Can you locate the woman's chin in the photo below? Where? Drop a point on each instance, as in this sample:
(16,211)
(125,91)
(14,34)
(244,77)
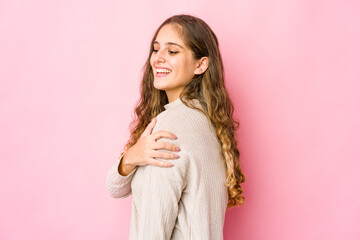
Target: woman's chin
(159,86)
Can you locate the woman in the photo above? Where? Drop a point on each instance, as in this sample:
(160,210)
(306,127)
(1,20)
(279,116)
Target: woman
(184,104)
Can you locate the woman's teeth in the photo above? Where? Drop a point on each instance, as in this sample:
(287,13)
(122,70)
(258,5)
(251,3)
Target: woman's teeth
(162,70)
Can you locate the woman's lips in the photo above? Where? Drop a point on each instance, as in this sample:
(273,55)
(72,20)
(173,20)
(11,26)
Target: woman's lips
(161,74)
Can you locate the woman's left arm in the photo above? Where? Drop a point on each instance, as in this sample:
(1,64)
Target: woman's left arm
(161,194)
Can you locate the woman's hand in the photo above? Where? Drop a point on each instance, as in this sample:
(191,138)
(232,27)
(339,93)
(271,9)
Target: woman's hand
(145,149)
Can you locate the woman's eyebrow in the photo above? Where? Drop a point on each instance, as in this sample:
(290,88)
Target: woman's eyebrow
(169,43)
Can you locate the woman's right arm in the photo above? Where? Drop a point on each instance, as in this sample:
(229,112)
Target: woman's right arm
(144,152)
(125,169)
(118,184)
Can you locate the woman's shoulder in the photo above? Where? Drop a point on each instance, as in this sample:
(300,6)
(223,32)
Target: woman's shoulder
(181,114)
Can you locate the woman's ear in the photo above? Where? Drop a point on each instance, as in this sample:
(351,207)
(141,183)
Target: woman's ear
(202,65)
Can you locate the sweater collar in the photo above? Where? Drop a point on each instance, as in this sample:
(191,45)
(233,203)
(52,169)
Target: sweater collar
(172,104)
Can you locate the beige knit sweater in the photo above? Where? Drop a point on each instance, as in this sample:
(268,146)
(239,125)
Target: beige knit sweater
(187,201)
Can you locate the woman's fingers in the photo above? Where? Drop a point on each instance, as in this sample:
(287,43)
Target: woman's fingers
(164,155)
(149,128)
(145,150)
(163,133)
(166,146)
(159,163)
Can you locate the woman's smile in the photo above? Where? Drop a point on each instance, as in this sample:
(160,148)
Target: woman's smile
(162,72)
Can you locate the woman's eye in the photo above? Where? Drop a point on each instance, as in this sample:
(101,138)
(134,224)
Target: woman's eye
(170,52)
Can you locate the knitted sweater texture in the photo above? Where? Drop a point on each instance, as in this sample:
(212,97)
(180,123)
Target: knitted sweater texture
(186,201)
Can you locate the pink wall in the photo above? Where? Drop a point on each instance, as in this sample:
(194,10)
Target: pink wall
(69,78)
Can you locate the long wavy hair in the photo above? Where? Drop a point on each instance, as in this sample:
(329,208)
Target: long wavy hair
(208,88)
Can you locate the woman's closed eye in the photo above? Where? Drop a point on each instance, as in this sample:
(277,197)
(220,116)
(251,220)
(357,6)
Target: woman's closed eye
(171,52)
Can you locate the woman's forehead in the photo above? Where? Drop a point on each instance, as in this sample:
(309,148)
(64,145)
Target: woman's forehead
(169,33)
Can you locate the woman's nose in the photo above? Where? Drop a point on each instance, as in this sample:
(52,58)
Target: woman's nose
(159,57)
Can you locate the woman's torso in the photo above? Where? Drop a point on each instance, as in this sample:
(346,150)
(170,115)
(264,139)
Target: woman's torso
(200,211)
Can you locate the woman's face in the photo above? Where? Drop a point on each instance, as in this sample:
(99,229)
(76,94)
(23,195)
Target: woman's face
(172,62)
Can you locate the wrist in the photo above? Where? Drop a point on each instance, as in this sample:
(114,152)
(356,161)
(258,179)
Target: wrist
(124,168)
(125,160)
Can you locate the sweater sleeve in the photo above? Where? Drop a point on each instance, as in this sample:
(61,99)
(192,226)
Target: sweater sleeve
(119,186)
(162,191)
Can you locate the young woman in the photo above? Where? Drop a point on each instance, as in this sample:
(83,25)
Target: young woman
(184,117)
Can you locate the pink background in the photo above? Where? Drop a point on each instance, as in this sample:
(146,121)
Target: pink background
(70,73)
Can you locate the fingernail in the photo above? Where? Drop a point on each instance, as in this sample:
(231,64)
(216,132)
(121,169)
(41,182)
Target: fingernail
(176,156)
(175,137)
(170,165)
(178,149)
